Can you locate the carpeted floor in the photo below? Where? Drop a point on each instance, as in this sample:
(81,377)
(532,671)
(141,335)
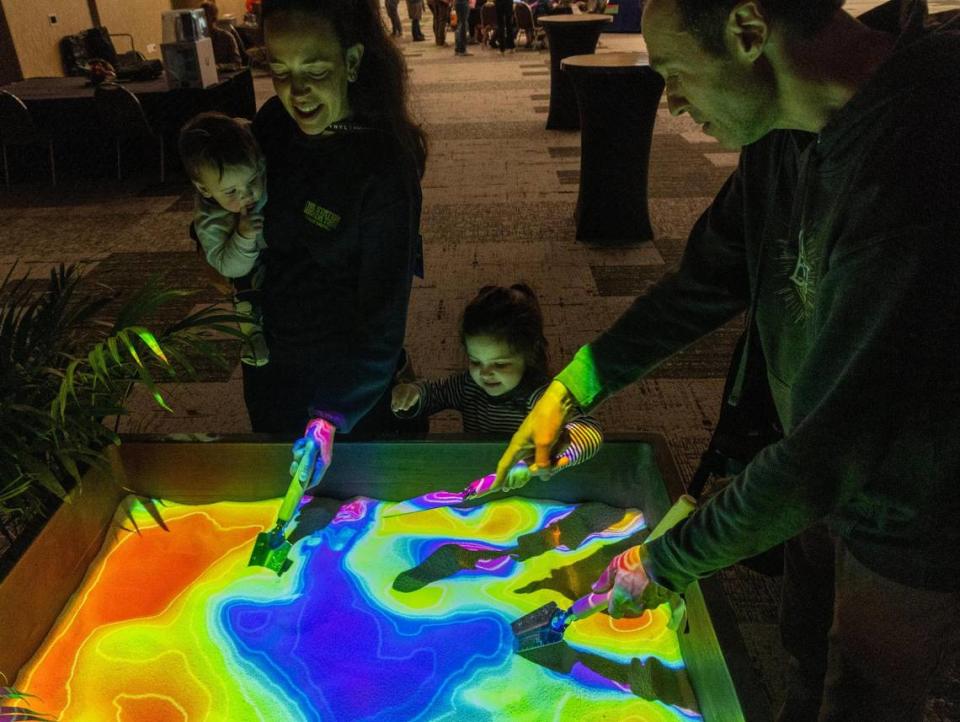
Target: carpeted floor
(499,195)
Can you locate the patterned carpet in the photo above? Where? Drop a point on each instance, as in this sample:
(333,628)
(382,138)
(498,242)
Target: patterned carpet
(499,195)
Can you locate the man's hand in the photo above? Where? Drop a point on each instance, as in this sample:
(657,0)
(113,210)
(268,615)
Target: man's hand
(538,433)
(315,450)
(250,226)
(633,590)
(404,396)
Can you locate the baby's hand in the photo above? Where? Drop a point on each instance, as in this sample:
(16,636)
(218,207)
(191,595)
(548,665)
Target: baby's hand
(404,396)
(250,226)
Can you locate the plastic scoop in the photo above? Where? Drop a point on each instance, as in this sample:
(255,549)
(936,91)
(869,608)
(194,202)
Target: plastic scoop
(271,547)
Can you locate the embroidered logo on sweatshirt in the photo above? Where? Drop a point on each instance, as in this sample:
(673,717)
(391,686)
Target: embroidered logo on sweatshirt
(320,216)
(800,270)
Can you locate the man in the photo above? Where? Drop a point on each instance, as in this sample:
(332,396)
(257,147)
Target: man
(839,236)
(225,49)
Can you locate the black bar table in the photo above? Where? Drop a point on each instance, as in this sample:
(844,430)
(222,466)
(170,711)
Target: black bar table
(568,35)
(617,95)
(65,106)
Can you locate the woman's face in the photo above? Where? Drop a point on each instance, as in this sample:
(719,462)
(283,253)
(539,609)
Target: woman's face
(310,69)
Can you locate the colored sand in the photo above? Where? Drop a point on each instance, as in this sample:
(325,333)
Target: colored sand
(406,618)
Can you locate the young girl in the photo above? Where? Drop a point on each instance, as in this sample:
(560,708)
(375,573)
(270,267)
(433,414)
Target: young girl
(342,222)
(502,334)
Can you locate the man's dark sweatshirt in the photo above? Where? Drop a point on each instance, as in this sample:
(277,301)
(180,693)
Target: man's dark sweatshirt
(845,249)
(342,230)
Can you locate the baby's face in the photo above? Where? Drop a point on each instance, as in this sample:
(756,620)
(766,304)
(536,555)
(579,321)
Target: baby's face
(238,190)
(494,366)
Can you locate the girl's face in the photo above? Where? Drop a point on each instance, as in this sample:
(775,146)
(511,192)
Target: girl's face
(310,69)
(494,366)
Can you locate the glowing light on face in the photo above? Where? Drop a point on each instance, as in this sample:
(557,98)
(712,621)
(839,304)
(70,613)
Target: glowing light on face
(383,619)
(494,366)
(238,190)
(310,69)
(731,98)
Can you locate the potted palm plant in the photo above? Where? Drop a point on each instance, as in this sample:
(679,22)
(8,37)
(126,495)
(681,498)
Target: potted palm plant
(64,368)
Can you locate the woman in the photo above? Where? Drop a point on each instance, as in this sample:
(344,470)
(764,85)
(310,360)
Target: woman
(344,162)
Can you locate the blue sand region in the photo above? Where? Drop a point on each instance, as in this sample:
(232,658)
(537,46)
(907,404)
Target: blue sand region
(338,657)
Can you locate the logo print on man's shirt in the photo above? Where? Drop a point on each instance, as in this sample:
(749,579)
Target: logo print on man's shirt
(800,271)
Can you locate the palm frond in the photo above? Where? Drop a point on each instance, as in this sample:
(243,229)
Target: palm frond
(63,369)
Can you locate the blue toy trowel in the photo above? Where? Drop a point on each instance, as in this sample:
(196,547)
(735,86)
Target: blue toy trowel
(546,625)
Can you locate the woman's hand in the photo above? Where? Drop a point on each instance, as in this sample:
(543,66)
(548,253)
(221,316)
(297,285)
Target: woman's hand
(315,451)
(405,396)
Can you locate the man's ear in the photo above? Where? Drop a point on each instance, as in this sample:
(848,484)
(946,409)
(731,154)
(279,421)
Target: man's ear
(354,55)
(747,30)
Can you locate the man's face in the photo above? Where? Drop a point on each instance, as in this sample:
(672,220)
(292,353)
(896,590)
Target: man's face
(310,69)
(238,190)
(729,96)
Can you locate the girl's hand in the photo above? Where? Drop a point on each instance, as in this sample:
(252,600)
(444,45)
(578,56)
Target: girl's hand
(404,396)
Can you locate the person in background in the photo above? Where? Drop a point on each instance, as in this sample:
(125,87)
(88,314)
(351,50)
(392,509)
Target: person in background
(506,27)
(396,28)
(463,27)
(342,225)
(441,18)
(838,236)
(225,49)
(224,163)
(415,13)
(502,336)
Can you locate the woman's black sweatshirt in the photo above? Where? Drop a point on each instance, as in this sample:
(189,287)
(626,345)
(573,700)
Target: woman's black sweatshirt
(343,243)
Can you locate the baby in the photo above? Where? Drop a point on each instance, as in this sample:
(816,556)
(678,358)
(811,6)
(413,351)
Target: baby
(224,162)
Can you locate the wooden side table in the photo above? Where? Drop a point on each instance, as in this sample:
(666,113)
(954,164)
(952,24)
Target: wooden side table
(617,95)
(568,35)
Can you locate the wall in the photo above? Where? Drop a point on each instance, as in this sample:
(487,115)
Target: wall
(141,18)
(9,64)
(236,7)
(35,39)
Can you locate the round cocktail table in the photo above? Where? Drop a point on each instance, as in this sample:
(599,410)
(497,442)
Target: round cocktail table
(568,35)
(617,95)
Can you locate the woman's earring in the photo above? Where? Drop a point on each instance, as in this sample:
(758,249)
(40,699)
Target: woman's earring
(351,76)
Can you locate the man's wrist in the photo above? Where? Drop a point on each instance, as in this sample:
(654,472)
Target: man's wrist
(648,558)
(581,378)
(560,395)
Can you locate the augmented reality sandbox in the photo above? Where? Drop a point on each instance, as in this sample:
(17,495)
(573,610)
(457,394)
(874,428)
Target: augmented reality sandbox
(144,606)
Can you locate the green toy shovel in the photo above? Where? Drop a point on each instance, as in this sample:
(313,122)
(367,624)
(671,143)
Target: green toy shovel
(271,548)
